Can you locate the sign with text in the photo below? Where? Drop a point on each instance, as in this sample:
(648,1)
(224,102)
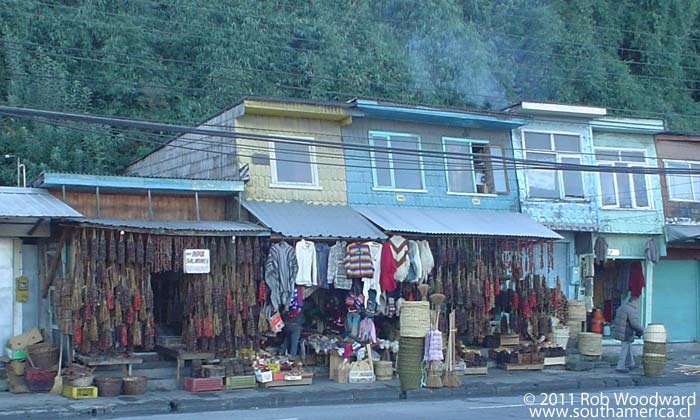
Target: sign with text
(197,261)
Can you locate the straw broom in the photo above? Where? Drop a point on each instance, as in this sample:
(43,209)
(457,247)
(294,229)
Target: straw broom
(57,387)
(450,379)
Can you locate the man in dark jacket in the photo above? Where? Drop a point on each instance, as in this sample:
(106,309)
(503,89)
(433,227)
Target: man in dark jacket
(625,327)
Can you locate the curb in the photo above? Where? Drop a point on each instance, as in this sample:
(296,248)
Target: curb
(214,402)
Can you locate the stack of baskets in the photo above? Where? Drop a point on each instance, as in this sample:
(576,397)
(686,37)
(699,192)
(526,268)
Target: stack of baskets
(415,324)
(654,354)
(590,344)
(383,370)
(44,356)
(577,317)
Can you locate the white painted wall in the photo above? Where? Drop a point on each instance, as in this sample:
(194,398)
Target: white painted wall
(6,291)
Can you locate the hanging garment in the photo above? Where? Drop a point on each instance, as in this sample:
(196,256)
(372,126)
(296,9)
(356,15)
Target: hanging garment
(306,260)
(427,261)
(336,266)
(399,249)
(601,250)
(322,265)
(280,272)
(415,269)
(636,279)
(388,269)
(358,261)
(367,330)
(623,279)
(651,252)
(373,283)
(433,345)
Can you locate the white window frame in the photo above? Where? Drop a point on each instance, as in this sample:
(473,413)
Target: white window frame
(276,183)
(389,135)
(668,180)
(558,159)
(630,176)
(447,168)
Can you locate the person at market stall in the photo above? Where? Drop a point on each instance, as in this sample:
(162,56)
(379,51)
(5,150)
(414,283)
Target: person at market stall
(292,324)
(625,327)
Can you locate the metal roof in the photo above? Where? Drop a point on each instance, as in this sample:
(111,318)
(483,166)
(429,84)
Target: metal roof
(456,222)
(682,233)
(177,227)
(142,183)
(298,219)
(32,202)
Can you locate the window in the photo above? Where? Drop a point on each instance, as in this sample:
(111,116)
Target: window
(618,189)
(294,164)
(475,172)
(553,148)
(683,187)
(400,169)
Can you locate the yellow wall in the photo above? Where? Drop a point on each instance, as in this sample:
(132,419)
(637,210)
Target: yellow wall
(331,170)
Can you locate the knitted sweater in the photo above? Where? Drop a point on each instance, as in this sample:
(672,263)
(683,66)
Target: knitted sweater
(336,266)
(399,250)
(358,261)
(426,259)
(388,269)
(307,274)
(373,283)
(415,269)
(280,272)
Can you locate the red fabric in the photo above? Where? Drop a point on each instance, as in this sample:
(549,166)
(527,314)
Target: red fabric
(388,269)
(636,279)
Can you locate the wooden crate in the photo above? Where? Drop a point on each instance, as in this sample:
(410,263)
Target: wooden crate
(203,384)
(508,339)
(273,384)
(555,361)
(79,392)
(514,366)
(240,382)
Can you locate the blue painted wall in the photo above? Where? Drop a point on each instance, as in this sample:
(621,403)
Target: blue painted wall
(676,299)
(361,189)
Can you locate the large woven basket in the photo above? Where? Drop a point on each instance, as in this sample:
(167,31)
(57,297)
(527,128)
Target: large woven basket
(415,319)
(410,360)
(134,385)
(383,370)
(654,348)
(654,365)
(43,355)
(590,344)
(82,381)
(109,386)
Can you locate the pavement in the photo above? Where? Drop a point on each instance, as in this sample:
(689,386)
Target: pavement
(497,384)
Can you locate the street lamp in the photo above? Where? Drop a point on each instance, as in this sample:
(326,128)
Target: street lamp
(21,170)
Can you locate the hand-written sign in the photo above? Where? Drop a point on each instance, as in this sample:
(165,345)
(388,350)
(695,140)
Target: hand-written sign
(197,261)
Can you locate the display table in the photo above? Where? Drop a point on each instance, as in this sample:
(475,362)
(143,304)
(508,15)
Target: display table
(181,355)
(124,361)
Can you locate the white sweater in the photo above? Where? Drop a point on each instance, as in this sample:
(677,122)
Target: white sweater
(307,274)
(375,250)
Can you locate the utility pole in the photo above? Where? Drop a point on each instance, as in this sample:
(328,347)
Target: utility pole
(21,169)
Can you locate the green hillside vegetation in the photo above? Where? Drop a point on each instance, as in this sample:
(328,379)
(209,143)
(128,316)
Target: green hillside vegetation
(182,60)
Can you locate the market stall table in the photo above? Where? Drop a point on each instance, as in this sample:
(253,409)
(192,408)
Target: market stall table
(183,355)
(125,362)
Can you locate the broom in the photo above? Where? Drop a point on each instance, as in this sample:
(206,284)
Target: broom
(450,379)
(423,289)
(57,387)
(434,380)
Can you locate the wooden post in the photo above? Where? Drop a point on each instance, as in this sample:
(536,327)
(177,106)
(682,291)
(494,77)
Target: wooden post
(54,263)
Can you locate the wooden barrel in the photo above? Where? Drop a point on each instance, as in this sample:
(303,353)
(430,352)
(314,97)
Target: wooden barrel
(383,370)
(654,364)
(590,344)
(414,320)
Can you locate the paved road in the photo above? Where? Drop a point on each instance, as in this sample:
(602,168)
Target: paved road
(590,405)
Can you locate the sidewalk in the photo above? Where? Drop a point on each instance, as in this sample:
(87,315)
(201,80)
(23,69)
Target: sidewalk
(324,392)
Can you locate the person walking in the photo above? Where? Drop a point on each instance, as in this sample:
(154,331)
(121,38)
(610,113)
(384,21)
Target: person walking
(625,327)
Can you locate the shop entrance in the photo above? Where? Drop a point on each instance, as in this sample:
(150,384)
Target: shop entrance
(614,282)
(167,303)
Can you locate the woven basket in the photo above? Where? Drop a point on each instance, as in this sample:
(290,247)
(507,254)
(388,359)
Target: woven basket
(654,365)
(44,355)
(134,385)
(383,370)
(577,310)
(654,348)
(590,344)
(415,319)
(108,386)
(410,360)
(83,381)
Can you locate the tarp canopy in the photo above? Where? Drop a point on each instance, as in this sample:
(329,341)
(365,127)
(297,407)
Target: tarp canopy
(682,233)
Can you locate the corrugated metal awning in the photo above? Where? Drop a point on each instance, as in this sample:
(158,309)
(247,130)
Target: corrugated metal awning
(32,202)
(176,227)
(456,222)
(682,233)
(312,220)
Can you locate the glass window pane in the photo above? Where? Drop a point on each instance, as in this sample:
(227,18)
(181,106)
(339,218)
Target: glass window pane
(696,187)
(632,156)
(293,163)
(538,141)
(573,180)
(640,190)
(407,171)
(381,160)
(679,187)
(542,183)
(607,188)
(624,191)
(498,168)
(607,155)
(564,143)
(459,169)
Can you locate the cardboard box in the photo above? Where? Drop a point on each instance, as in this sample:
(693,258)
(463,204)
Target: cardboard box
(25,339)
(263,377)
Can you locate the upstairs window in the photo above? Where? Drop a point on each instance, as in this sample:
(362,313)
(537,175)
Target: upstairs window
(553,148)
(474,172)
(396,161)
(618,189)
(294,164)
(683,187)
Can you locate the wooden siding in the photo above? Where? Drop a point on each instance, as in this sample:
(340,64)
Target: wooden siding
(194,155)
(135,206)
(330,161)
(678,211)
